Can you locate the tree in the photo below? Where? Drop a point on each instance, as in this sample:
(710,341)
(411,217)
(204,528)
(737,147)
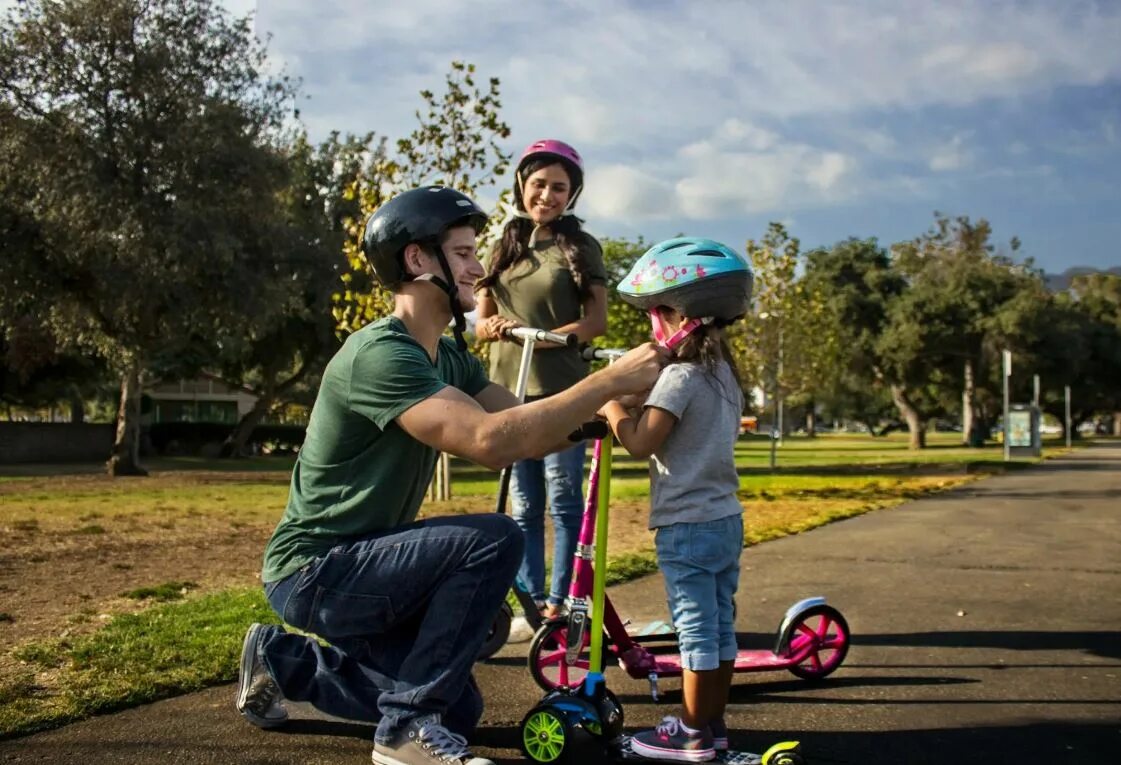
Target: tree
(627,326)
(285,358)
(786,342)
(855,282)
(938,346)
(456,145)
(1098,297)
(149,131)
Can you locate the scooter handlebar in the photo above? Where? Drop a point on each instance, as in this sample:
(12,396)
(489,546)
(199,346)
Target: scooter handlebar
(542,336)
(590,353)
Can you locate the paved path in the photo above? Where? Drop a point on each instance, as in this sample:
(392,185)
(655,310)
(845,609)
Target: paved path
(986,622)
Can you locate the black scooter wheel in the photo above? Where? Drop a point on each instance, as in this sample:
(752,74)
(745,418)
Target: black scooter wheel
(499,632)
(546,658)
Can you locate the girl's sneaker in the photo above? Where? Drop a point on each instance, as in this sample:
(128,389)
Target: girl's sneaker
(670,741)
(719,734)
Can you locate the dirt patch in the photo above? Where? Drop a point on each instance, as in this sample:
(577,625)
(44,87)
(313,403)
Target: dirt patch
(66,572)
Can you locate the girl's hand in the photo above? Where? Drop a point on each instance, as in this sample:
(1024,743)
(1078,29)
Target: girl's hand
(633,401)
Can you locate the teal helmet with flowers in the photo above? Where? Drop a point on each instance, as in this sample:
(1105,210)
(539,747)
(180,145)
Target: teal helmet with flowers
(699,278)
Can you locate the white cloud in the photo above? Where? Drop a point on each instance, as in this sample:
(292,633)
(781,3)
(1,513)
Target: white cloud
(621,192)
(952,155)
(718,180)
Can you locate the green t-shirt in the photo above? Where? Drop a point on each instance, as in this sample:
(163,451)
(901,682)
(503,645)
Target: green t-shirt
(540,291)
(358,472)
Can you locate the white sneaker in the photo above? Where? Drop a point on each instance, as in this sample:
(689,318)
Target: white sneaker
(520,630)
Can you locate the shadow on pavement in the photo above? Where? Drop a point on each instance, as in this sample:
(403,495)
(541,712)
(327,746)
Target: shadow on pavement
(1029,744)
(1104,644)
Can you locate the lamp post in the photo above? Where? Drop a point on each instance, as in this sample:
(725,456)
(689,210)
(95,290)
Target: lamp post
(777,420)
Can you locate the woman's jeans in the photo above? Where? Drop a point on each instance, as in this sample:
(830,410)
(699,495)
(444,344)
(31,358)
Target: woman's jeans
(405,612)
(559,478)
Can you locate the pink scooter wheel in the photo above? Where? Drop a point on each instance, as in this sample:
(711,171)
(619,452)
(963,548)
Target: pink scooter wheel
(547,657)
(820,638)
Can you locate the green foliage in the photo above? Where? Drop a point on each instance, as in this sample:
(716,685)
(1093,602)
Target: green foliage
(148,133)
(627,326)
(855,281)
(942,342)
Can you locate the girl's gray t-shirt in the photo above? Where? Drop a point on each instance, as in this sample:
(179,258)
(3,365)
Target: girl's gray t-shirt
(693,475)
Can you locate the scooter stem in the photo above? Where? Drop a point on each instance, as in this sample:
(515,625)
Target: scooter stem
(602,456)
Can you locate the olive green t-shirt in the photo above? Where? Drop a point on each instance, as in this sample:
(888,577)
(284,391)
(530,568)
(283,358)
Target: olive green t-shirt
(358,472)
(540,291)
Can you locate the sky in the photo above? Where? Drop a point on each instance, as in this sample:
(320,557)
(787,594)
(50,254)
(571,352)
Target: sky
(713,117)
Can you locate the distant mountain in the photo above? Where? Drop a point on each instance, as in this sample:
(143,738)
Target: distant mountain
(1061,282)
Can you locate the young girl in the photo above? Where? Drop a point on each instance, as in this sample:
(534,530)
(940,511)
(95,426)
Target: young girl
(546,272)
(688,426)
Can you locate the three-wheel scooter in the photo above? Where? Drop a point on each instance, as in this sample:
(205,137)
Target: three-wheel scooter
(579,718)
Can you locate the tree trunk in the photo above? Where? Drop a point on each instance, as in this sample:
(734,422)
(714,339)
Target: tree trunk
(234,445)
(915,423)
(967,396)
(77,408)
(811,420)
(125,458)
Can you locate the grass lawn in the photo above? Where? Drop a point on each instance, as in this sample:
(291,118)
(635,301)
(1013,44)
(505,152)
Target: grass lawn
(163,569)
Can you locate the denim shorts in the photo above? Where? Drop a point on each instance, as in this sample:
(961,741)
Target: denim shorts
(700,563)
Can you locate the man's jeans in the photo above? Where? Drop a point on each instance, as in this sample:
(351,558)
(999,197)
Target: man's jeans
(559,476)
(405,611)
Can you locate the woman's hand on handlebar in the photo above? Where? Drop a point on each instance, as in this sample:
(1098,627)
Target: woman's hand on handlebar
(492,327)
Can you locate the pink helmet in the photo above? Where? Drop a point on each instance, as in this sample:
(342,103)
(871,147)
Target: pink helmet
(551,147)
(548,148)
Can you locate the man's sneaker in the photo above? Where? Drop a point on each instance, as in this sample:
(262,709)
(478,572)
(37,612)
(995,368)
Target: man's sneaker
(424,741)
(258,696)
(521,630)
(670,741)
(719,734)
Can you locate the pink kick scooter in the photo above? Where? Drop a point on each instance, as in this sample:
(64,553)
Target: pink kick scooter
(812,641)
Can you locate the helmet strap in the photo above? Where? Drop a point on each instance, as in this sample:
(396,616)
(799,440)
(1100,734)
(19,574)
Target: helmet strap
(661,333)
(447,284)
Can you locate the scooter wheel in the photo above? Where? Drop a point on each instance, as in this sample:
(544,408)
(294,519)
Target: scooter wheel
(547,662)
(545,737)
(499,632)
(786,753)
(822,634)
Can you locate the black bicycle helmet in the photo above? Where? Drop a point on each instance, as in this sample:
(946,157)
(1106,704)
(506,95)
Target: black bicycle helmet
(421,216)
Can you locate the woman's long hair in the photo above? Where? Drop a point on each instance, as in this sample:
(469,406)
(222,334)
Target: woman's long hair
(567,232)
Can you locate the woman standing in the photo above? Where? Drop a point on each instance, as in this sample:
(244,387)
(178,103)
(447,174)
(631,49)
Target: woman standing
(545,272)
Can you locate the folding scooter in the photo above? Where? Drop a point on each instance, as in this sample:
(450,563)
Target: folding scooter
(500,629)
(583,722)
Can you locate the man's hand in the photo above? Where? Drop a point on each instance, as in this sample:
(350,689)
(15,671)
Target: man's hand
(638,370)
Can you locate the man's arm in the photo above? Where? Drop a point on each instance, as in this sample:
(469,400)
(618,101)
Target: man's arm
(453,422)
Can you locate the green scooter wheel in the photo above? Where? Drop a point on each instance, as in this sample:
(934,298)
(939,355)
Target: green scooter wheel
(784,753)
(545,736)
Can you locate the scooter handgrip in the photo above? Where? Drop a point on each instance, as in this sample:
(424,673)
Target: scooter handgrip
(592,430)
(543,336)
